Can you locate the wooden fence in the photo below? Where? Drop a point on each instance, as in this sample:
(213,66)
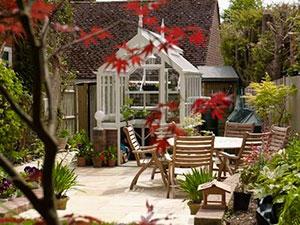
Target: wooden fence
(293,103)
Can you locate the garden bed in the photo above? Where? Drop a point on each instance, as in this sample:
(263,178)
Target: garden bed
(241,217)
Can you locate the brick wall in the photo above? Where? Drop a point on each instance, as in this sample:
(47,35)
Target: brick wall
(214,56)
(102,139)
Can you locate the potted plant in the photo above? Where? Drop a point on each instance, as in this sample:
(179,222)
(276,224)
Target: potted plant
(111,156)
(64,179)
(190,186)
(62,139)
(7,190)
(81,144)
(98,158)
(126,110)
(33,176)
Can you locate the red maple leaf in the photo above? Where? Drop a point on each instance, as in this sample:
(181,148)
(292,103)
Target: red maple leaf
(173,105)
(148,49)
(87,41)
(41,9)
(151,21)
(197,38)
(120,65)
(154,116)
(162,145)
(135,60)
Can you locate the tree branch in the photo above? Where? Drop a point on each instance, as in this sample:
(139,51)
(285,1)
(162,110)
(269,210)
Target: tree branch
(24,116)
(60,49)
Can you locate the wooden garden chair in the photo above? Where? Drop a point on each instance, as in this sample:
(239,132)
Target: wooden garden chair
(140,154)
(189,152)
(231,162)
(237,129)
(279,137)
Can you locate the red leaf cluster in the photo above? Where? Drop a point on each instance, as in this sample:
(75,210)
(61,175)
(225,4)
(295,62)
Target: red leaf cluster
(216,105)
(92,37)
(41,9)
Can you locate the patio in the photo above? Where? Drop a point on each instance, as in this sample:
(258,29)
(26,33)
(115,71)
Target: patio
(104,193)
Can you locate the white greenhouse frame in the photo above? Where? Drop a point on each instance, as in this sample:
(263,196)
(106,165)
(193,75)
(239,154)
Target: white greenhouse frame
(112,88)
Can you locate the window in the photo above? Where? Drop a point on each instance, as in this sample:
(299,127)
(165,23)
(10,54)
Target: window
(7,55)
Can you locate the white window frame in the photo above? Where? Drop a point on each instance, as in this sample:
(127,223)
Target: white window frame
(9,50)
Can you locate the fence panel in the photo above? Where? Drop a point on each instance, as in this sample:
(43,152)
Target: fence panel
(293,103)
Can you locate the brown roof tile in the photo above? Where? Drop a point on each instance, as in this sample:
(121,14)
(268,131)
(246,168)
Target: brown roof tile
(85,60)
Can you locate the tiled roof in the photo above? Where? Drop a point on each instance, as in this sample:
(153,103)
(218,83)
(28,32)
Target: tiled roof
(85,60)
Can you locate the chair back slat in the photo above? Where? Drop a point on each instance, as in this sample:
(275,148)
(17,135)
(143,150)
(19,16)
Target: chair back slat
(237,129)
(193,151)
(279,137)
(131,138)
(252,140)
(163,131)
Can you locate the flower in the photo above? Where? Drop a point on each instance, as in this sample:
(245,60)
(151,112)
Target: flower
(33,174)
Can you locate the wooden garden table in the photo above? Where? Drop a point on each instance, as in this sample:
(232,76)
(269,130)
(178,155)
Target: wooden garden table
(220,144)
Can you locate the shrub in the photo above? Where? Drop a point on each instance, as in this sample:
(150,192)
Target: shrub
(191,182)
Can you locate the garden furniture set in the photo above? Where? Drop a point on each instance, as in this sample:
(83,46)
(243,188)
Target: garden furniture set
(228,153)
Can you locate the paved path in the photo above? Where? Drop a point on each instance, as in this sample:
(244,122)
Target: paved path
(104,193)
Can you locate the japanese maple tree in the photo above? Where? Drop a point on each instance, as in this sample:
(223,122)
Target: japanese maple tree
(33,20)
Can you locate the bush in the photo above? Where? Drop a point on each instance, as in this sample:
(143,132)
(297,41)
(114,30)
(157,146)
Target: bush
(280,179)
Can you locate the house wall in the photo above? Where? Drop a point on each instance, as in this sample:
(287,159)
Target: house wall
(214,56)
(293,103)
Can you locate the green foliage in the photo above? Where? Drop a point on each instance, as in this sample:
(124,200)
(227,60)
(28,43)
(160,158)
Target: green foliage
(191,182)
(191,122)
(290,213)
(81,143)
(14,142)
(280,177)
(269,101)
(63,134)
(126,110)
(238,5)
(64,179)
(111,153)
(255,39)
(129,113)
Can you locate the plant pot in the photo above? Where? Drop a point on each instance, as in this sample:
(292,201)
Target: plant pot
(194,207)
(111,163)
(81,161)
(61,203)
(241,201)
(97,162)
(62,142)
(88,161)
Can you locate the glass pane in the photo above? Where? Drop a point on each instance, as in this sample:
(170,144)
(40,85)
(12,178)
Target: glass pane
(152,99)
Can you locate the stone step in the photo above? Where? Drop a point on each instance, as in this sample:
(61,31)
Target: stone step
(17,205)
(215,216)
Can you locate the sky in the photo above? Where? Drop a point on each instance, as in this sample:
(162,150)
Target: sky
(225,3)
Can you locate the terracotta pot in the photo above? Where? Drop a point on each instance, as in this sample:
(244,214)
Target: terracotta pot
(111,163)
(97,162)
(61,203)
(81,161)
(194,207)
(62,142)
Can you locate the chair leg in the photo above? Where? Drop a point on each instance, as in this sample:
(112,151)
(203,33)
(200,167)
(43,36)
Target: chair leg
(136,177)
(153,173)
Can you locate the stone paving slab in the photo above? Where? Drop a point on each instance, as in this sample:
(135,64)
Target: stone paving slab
(104,193)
